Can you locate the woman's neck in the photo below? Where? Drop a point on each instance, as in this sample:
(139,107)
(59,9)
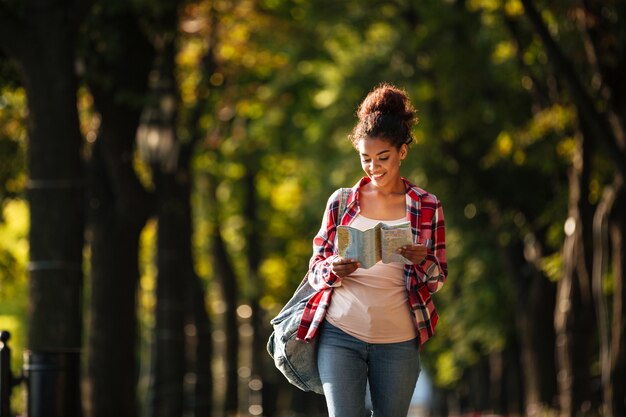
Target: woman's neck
(398,187)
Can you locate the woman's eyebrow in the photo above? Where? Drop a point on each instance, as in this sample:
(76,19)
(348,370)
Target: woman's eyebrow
(379,153)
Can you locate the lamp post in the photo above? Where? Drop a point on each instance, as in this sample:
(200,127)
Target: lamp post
(156,141)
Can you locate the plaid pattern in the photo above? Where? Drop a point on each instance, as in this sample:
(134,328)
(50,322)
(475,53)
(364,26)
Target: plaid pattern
(425,214)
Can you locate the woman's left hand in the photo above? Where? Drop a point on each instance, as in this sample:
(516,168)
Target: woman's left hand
(415,253)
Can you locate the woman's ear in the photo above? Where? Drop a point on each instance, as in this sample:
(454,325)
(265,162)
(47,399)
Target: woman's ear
(404,150)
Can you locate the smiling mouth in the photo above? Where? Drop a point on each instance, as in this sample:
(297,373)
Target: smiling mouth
(377,176)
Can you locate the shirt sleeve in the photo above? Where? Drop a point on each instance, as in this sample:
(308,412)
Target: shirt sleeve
(434,269)
(324,252)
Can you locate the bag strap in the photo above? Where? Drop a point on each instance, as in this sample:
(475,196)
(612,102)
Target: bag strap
(343,200)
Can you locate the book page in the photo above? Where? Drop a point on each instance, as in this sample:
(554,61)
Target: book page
(356,244)
(392,238)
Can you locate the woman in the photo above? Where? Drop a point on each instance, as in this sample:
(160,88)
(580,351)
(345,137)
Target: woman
(373,329)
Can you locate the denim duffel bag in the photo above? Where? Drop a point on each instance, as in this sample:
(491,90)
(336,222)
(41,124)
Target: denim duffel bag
(296,359)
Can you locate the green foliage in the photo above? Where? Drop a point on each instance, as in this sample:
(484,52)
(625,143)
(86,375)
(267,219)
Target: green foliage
(13,255)
(12,143)
(13,280)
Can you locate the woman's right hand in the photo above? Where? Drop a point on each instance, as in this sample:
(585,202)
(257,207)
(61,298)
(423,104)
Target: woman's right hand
(344,267)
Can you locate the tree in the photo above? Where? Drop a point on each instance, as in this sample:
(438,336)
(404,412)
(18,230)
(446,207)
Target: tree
(180,294)
(117,57)
(602,38)
(42,43)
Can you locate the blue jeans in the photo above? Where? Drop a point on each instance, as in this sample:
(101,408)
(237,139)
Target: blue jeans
(346,364)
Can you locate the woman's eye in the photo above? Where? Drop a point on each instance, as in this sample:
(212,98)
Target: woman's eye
(384,159)
(365,161)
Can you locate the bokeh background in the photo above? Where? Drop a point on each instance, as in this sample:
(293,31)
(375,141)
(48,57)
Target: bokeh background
(164,166)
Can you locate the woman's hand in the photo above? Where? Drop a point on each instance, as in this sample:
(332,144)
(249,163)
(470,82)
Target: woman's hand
(344,267)
(415,253)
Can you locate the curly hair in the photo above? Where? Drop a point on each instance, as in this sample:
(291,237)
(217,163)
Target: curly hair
(385,113)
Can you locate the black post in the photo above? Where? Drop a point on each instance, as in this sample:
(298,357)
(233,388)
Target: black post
(7,380)
(5,375)
(53,379)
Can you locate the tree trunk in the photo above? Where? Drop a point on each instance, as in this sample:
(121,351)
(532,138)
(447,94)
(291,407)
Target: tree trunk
(112,366)
(174,258)
(200,354)
(174,239)
(601,256)
(574,315)
(228,281)
(535,303)
(510,392)
(438,404)
(56,186)
(618,328)
(119,207)
(254,255)
(479,391)
(543,292)
(183,340)
(115,272)
(200,347)
(181,308)
(604,42)
(43,45)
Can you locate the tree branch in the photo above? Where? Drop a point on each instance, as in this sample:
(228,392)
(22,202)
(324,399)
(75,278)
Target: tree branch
(208,65)
(598,125)
(602,44)
(539,92)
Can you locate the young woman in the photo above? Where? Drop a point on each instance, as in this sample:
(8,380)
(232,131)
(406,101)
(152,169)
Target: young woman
(372,322)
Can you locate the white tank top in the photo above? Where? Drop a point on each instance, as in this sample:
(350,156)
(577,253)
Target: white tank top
(371,304)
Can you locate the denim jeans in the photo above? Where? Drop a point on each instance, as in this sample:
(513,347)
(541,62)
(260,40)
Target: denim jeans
(346,365)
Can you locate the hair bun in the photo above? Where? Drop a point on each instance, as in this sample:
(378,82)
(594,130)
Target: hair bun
(386,113)
(386,99)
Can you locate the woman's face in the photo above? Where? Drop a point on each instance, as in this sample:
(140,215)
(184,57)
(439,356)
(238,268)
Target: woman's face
(381,161)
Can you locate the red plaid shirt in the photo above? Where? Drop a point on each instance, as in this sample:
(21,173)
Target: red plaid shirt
(424,212)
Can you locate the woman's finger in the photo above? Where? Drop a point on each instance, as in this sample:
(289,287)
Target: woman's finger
(343,267)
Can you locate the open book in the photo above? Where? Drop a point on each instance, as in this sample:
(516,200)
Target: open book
(376,244)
